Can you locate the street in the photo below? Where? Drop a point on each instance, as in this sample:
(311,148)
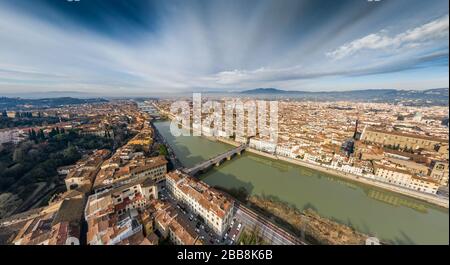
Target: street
(270,232)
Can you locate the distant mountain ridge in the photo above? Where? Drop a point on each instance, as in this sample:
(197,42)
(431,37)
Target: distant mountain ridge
(7,103)
(436,96)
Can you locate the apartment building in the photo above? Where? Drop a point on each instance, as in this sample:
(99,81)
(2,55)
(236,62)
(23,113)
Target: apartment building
(114,215)
(262,145)
(56,224)
(143,139)
(111,173)
(287,151)
(404,178)
(82,175)
(216,208)
(9,136)
(170,225)
(424,184)
(404,141)
(154,168)
(440,172)
(392,175)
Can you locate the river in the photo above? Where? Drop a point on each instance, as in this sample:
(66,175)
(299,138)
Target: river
(389,216)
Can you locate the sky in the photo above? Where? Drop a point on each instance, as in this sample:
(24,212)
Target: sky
(139,47)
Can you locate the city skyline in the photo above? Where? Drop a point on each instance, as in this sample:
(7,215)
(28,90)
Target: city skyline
(148,47)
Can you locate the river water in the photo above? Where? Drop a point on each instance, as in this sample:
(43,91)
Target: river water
(391,217)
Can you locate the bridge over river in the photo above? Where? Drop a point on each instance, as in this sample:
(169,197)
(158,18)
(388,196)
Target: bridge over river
(217,160)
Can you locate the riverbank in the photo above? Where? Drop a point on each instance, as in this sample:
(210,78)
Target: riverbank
(307,224)
(406,192)
(389,216)
(410,193)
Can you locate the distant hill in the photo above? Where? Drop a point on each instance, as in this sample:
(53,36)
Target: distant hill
(438,96)
(7,103)
(269,91)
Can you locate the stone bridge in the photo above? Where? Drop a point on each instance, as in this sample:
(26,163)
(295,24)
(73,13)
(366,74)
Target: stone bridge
(217,160)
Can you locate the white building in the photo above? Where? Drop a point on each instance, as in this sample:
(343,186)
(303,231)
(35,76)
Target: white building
(263,146)
(286,151)
(404,178)
(9,136)
(352,170)
(213,206)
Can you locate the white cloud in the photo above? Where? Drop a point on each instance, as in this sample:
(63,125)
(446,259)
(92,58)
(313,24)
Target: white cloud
(222,47)
(412,38)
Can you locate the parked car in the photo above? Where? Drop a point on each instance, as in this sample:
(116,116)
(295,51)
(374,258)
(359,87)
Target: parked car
(239,226)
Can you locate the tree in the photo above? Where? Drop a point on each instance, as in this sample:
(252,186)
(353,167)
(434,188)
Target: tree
(163,150)
(41,135)
(33,155)
(32,135)
(52,133)
(71,153)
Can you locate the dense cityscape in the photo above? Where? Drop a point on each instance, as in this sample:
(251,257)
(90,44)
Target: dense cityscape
(127,186)
(224,131)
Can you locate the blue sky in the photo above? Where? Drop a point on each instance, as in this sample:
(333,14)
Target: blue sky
(125,47)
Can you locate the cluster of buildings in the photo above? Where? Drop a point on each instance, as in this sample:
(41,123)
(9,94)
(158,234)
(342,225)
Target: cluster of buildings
(81,176)
(11,135)
(133,213)
(170,225)
(59,223)
(131,161)
(115,197)
(118,214)
(400,145)
(99,119)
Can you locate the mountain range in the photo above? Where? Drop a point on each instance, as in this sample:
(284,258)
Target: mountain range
(437,96)
(7,103)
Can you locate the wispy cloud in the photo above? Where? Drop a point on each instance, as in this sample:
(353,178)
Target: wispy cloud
(212,45)
(426,34)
